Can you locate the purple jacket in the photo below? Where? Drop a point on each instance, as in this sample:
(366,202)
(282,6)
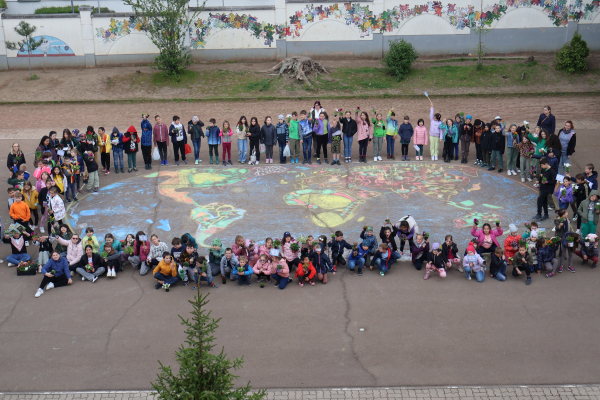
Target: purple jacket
(478,233)
(415,250)
(318,129)
(568,198)
(434,129)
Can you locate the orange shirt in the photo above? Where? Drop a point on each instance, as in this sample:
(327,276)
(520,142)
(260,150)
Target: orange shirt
(20,211)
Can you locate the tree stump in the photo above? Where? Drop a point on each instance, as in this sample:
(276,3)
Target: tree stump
(299,67)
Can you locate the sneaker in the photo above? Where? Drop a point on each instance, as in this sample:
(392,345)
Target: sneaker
(42,230)
(509,172)
(477,162)
(522,179)
(375,158)
(326,160)
(408,159)
(300,284)
(545,217)
(195,287)
(334,268)
(239,285)
(461,269)
(75,199)
(107,173)
(379,158)
(528,282)
(529,179)
(68,201)
(82,278)
(223,279)
(123,169)
(594,266)
(333,163)
(312,283)
(318,161)
(537,217)
(184,161)
(571,269)
(196,162)
(469,277)
(560,269)
(185,283)
(550,275)
(309,162)
(426,276)
(575,218)
(157,286)
(257,162)
(224,163)
(50,286)
(39,292)
(95,279)
(500,170)
(536,185)
(382,273)
(338,162)
(166,163)
(360,272)
(228,162)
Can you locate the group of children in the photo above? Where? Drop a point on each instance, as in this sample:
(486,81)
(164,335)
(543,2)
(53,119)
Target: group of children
(63,254)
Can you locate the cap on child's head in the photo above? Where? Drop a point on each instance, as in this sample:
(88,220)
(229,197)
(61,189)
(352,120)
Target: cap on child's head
(498,117)
(512,228)
(436,246)
(195,118)
(280,116)
(318,248)
(369,228)
(471,248)
(592,238)
(469,116)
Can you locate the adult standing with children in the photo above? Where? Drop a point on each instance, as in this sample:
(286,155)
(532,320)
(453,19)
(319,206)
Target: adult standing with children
(568,140)
(547,121)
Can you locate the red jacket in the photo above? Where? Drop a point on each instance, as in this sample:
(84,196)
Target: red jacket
(311,271)
(130,136)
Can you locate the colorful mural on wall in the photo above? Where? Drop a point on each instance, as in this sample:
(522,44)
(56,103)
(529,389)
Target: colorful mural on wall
(266,201)
(361,17)
(120,28)
(50,47)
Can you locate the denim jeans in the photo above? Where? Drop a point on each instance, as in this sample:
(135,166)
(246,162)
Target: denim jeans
(354,263)
(381,265)
(166,279)
(281,282)
(307,147)
(196,144)
(501,275)
(282,144)
(69,187)
(242,150)
(497,157)
(562,161)
(118,158)
(348,146)
(243,279)
(479,275)
(418,263)
(17,258)
(390,144)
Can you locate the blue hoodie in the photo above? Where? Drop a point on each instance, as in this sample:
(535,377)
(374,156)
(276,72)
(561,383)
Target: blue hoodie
(146,139)
(212,135)
(371,241)
(61,267)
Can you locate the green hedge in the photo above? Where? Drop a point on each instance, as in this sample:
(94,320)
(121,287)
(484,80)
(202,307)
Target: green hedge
(65,10)
(3,4)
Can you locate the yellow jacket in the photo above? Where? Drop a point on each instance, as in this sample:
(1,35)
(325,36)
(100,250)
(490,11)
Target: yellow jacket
(106,141)
(165,269)
(58,181)
(31,199)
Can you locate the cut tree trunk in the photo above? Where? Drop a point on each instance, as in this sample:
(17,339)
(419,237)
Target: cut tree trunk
(299,67)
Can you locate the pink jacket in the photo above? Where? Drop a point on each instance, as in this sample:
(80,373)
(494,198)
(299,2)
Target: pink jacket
(478,233)
(421,136)
(364,130)
(240,251)
(74,251)
(144,250)
(288,253)
(285,271)
(263,250)
(265,267)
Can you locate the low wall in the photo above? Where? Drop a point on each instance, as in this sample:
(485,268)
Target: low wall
(324,30)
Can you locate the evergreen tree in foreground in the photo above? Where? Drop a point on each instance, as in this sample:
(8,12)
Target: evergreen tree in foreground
(202,374)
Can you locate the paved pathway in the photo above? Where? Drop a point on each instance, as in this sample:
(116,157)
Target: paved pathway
(571,392)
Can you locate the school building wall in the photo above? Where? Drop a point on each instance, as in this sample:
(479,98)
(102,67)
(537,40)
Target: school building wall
(270,31)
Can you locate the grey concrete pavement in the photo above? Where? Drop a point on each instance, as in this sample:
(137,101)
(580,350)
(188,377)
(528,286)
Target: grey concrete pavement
(567,392)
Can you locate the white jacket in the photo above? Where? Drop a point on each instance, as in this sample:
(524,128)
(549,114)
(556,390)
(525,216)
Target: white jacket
(58,207)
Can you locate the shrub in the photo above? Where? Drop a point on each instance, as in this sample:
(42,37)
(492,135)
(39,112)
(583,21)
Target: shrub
(3,4)
(67,10)
(399,58)
(572,57)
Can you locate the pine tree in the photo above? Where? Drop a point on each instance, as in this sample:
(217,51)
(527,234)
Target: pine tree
(25,30)
(202,374)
